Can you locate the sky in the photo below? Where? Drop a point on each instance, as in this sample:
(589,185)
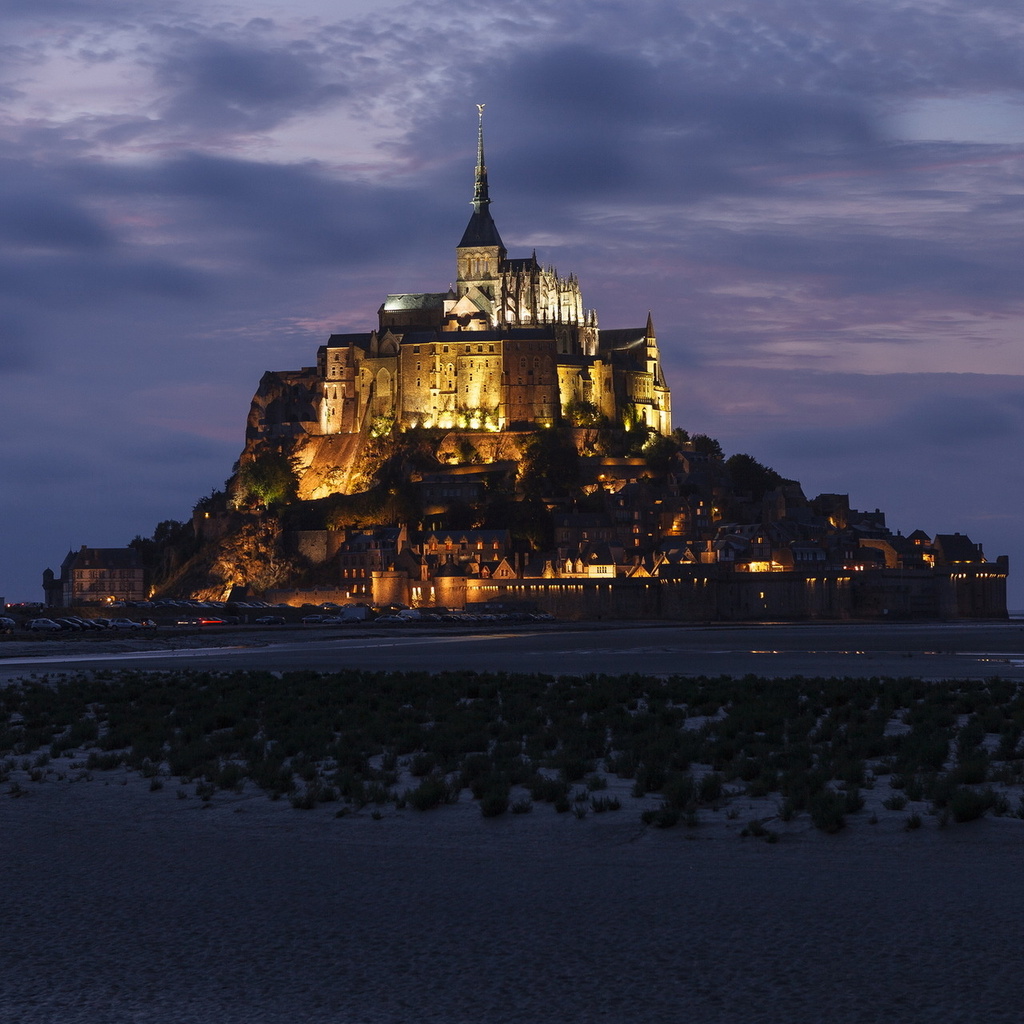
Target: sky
(819,202)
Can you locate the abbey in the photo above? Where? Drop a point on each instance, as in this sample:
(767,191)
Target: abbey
(509,347)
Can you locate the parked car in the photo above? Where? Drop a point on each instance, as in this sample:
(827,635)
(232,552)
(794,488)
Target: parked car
(6,624)
(123,624)
(43,626)
(270,620)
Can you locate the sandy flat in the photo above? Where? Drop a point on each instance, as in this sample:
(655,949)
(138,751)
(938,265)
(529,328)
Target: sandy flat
(125,905)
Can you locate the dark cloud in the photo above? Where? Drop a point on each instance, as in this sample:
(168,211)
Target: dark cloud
(42,220)
(234,86)
(851,262)
(91,282)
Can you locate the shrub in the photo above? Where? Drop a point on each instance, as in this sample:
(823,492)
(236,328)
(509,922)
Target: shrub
(896,802)
(662,817)
(678,791)
(710,788)
(968,804)
(522,806)
(422,764)
(430,793)
(827,811)
(787,810)
(545,789)
(913,821)
(103,762)
(494,802)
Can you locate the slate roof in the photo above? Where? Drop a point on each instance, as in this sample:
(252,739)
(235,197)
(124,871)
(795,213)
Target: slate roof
(344,340)
(481,230)
(415,300)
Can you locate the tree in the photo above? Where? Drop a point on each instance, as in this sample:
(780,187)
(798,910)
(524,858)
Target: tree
(750,477)
(660,452)
(704,445)
(551,464)
(269,479)
(583,414)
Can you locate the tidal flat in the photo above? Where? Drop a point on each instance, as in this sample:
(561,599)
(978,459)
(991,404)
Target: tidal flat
(251,847)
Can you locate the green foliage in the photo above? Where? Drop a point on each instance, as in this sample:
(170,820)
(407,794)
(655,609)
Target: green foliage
(268,479)
(660,452)
(583,414)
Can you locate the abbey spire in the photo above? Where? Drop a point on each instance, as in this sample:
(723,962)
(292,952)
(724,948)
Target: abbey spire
(481,230)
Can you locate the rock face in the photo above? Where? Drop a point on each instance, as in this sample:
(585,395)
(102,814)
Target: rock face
(329,464)
(284,406)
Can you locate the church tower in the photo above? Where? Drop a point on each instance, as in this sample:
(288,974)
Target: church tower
(481,252)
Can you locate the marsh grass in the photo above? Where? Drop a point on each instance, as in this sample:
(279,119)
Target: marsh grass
(808,744)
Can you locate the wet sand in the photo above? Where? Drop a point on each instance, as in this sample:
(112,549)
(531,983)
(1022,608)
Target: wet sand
(923,650)
(121,905)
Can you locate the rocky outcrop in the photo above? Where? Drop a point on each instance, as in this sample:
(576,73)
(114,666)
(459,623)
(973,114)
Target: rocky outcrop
(285,406)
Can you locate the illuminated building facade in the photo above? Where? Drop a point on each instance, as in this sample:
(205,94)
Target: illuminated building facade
(96,576)
(509,346)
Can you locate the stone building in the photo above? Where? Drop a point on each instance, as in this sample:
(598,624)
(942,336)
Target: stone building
(509,345)
(95,576)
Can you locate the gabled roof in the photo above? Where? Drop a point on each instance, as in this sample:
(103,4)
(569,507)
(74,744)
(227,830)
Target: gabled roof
(105,558)
(957,547)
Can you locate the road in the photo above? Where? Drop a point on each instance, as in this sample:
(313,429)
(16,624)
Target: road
(931,651)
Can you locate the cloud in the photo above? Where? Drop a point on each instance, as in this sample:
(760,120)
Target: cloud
(42,220)
(234,86)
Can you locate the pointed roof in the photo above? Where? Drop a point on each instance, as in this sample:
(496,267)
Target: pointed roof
(481,229)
